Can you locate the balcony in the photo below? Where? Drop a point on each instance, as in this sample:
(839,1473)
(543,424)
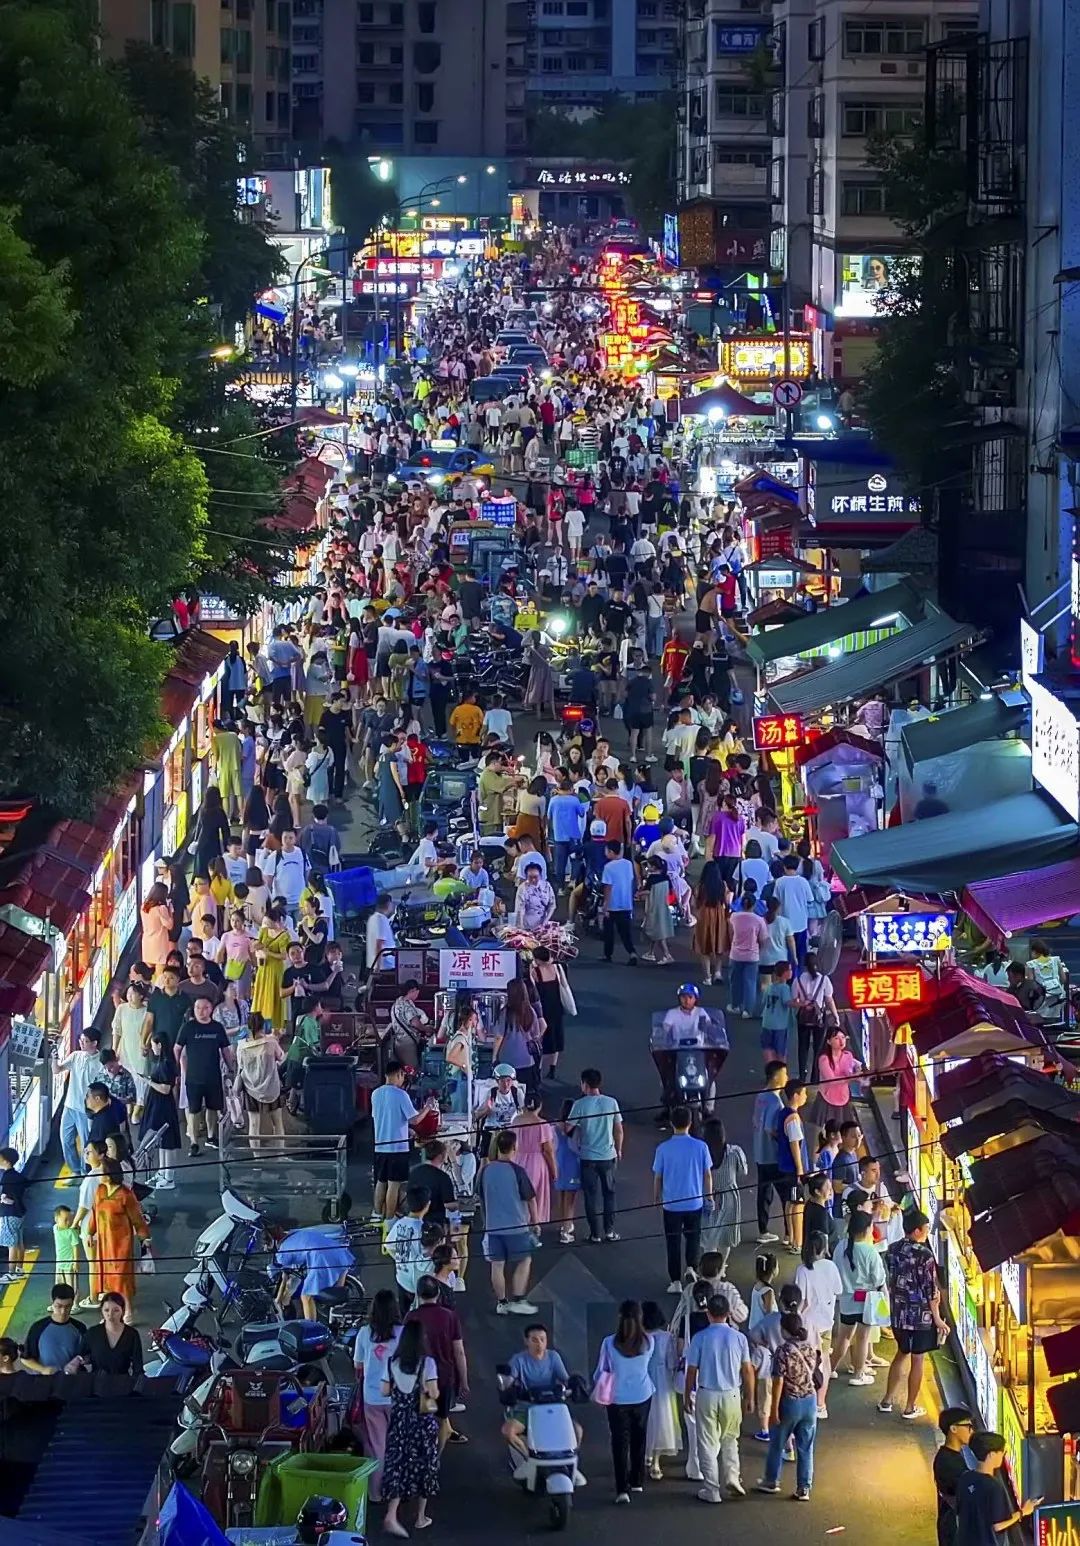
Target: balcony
(739,180)
(976,104)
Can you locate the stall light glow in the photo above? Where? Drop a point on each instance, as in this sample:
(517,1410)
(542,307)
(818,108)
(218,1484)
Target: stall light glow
(546,375)
(883,622)
(557,626)
(490,170)
(333,381)
(352,371)
(462,178)
(835,651)
(207,687)
(823,421)
(714,415)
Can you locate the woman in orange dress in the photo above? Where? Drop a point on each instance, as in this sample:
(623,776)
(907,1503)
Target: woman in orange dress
(115,1221)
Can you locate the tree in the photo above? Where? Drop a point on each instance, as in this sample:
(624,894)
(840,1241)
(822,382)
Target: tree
(639,134)
(912,391)
(104,505)
(358,199)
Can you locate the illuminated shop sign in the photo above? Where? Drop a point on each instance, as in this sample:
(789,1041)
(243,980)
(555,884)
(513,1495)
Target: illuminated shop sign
(864,279)
(1055,748)
(778,732)
(885,987)
(581,177)
(839,491)
(896,934)
(766,359)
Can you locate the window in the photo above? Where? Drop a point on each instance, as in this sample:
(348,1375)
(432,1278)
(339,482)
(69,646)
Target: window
(243,10)
(551,64)
(876,38)
(736,102)
(270,107)
(425,17)
(283,107)
(777,112)
(427,58)
(959,27)
(861,118)
(228,44)
(310,33)
(397,53)
(306,64)
(426,132)
(365,92)
(646,10)
(394,15)
(365,53)
(552,8)
(425,96)
(862,198)
(776,179)
(395,93)
(242,57)
(307,90)
(159,24)
(645,38)
(577,7)
(815,40)
(815,115)
(365,15)
(815,192)
(380,133)
(723,156)
(553,36)
(183,29)
(577,61)
(284,18)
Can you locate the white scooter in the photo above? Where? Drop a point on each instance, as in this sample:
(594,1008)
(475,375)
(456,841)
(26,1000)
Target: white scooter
(551,1466)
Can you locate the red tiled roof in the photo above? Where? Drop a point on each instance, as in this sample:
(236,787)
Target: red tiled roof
(48,886)
(196,655)
(22,961)
(296,514)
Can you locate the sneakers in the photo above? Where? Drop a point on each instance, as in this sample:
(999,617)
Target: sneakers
(708,980)
(861,1379)
(502,1307)
(521,1307)
(706,1496)
(596,1239)
(611,1235)
(655,1473)
(802,1495)
(164,1186)
(768,1238)
(736,1489)
(763,1486)
(566,1237)
(193,1151)
(674,1287)
(9,1277)
(822,1414)
(763,1436)
(622,1497)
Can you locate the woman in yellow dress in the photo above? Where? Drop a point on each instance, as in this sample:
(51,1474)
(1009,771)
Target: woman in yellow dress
(271,946)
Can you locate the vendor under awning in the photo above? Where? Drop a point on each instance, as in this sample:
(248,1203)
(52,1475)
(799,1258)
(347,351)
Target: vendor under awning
(1010,903)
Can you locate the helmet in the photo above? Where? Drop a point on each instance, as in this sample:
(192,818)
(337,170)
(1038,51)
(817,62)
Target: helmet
(650,813)
(689,990)
(317,1517)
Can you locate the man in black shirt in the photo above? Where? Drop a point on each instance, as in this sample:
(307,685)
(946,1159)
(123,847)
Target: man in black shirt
(168,1006)
(616,614)
(203,1042)
(12,1212)
(950,1464)
(431,1173)
(334,723)
(617,566)
(984,1513)
(470,595)
(106,1116)
(294,983)
(589,609)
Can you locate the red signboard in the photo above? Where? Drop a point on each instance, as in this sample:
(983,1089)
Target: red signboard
(886,987)
(778,732)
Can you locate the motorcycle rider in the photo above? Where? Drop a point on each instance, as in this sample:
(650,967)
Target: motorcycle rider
(688,1022)
(536,1369)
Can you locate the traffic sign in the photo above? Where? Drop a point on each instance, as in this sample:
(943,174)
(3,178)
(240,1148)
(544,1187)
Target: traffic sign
(787,394)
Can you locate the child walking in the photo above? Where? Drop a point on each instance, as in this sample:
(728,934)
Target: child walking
(66,1249)
(777,1014)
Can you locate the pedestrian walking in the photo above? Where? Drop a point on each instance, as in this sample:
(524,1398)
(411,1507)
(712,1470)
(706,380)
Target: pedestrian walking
(767,1106)
(820,1285)
(914,1312)
(720,1385)
(622,1383)
(722,1228)
(682,1186)
(567,1184)
(411,1463)
(862,1274)
(795,1377)
(596,1122)
(618,879)
(510,1220)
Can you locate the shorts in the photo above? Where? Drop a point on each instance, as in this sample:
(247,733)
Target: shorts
(508,1245)
(789,1189)
(204,1097)
(11,1231)
(445,1399)
(260,1107)
(851,1320)
(924,1340)
(413,793)
(391,1167)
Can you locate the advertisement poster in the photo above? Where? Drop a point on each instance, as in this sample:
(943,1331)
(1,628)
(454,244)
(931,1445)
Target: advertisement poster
(477,968)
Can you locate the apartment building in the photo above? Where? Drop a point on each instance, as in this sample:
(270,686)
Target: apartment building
(242,47)
(580,51)
(411,77)
(724,140)
(843,72)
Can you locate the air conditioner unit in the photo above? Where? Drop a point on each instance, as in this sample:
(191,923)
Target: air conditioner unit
(916,67)
(887,69)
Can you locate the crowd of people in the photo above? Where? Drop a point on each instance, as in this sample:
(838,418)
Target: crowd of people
(239,963)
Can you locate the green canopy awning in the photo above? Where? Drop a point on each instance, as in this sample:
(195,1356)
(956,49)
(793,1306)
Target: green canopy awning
(817,629)
(863,671)
(945,853)
(943,734)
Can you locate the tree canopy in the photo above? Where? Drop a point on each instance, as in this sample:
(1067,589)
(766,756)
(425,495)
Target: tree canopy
(642,134)
(107,310)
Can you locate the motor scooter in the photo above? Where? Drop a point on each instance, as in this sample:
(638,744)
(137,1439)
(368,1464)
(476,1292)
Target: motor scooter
(689,1064)
(551,1466)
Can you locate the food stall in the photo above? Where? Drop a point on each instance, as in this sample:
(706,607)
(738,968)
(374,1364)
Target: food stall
(841,774)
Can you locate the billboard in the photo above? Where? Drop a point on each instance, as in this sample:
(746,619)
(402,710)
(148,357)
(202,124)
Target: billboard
(864,278)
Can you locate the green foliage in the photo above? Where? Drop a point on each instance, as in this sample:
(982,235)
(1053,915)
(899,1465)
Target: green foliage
(912,390)
(640,134)
(358,199)
(112,228)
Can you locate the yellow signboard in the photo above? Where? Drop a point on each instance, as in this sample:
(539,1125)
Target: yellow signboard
(767,359)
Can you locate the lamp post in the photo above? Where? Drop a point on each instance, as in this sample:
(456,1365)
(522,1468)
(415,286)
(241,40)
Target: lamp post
(437,185)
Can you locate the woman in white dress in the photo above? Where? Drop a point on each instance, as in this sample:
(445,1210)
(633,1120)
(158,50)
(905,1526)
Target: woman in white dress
(722,1230)
(662,1435)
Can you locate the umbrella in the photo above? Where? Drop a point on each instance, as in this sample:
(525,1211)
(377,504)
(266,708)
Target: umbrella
(733,403)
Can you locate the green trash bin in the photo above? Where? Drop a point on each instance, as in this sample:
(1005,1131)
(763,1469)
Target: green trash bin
(289,1481)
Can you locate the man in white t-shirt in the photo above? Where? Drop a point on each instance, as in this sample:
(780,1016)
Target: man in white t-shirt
(379,937)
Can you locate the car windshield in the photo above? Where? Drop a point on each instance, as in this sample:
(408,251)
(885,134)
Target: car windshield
(427,458)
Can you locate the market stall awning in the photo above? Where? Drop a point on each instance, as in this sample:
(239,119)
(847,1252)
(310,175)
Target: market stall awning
(941,735)
(816,629)
(945,853)
(732,404)
(837,740)
(1025,901)
(864,671)
(197,656)
(916,550)
(848,450)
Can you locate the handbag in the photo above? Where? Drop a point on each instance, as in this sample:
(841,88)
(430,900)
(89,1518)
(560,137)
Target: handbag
(875,1310)
(234,969)
(566,995)
(603,1391)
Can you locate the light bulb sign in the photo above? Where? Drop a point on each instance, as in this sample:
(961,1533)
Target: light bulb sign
(903,934)
(885,987)
(778,732)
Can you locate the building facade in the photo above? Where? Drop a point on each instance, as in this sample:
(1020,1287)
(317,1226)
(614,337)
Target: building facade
(242,47)
(411,77)
(581,51)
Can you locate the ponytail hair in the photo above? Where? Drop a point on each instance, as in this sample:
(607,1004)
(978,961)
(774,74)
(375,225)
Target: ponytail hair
(765,1266)
(814,1247)
(858,1224)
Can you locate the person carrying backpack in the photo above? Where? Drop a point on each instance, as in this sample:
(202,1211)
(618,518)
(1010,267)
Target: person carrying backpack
(319,842)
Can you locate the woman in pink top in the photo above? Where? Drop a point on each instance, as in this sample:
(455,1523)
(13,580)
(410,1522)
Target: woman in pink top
(835,1067)
(239,955)
(725,840)
(157,921)
(748,934)
(536,1152)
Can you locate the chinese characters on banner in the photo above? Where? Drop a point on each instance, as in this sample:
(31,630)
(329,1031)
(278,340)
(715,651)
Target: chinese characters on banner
(477,968)
(778,732)
(582,179)
(885,987)
(898,934)
(627,337)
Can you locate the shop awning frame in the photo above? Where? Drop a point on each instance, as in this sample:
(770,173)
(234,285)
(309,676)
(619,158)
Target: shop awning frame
(817,629)
(857,675)
(1027,899)
(940,736)
(949,852)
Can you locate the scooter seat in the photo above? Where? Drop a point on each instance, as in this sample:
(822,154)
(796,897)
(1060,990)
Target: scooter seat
(189,1354)
(337,1293)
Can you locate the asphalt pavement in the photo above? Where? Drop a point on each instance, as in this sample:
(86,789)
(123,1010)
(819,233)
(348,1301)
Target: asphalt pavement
(872,1471)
